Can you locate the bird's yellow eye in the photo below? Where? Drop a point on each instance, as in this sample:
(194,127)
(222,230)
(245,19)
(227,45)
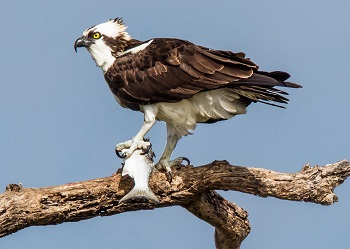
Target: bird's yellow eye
(96,35)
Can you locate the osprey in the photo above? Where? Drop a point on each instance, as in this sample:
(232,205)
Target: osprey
(178,82)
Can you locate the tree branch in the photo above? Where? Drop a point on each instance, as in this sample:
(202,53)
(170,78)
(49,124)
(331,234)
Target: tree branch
(191,188)
(230,221)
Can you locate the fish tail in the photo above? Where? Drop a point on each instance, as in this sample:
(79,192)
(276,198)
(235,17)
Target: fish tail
(140,193)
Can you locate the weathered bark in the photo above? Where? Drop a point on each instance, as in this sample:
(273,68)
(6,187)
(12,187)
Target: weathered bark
(192,188)
(230,221)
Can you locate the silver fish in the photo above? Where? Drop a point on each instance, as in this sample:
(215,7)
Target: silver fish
(139,165)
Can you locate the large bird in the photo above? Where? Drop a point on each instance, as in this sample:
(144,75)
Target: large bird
(177,82)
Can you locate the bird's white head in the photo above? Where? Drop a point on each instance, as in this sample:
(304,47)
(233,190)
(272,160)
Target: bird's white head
(104,41)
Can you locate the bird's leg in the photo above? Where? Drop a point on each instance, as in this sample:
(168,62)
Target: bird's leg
(164,162)
(130,146)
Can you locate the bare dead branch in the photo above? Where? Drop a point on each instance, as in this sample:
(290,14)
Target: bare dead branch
(230,221)
(191,188)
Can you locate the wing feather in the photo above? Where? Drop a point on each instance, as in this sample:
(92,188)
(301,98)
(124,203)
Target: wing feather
(204,64)
(169,70)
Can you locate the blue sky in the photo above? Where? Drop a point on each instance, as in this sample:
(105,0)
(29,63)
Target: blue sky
(59,122)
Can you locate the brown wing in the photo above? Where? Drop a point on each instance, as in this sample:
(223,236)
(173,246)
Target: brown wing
(169,70)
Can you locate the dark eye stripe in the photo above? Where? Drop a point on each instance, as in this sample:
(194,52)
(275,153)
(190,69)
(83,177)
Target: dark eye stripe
(91,33)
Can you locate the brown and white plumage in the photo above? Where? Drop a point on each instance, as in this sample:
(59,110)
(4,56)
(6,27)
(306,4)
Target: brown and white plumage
(177,81)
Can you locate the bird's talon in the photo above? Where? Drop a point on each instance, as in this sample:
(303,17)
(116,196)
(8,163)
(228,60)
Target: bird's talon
(146,150)
(187,160)
(122,156)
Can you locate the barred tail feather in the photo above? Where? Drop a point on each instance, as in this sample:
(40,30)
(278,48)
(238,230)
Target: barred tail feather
(140,193)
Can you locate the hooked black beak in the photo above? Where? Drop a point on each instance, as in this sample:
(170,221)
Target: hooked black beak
(82,42)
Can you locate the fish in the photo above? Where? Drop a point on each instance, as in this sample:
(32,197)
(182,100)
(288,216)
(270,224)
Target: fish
(139,165)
